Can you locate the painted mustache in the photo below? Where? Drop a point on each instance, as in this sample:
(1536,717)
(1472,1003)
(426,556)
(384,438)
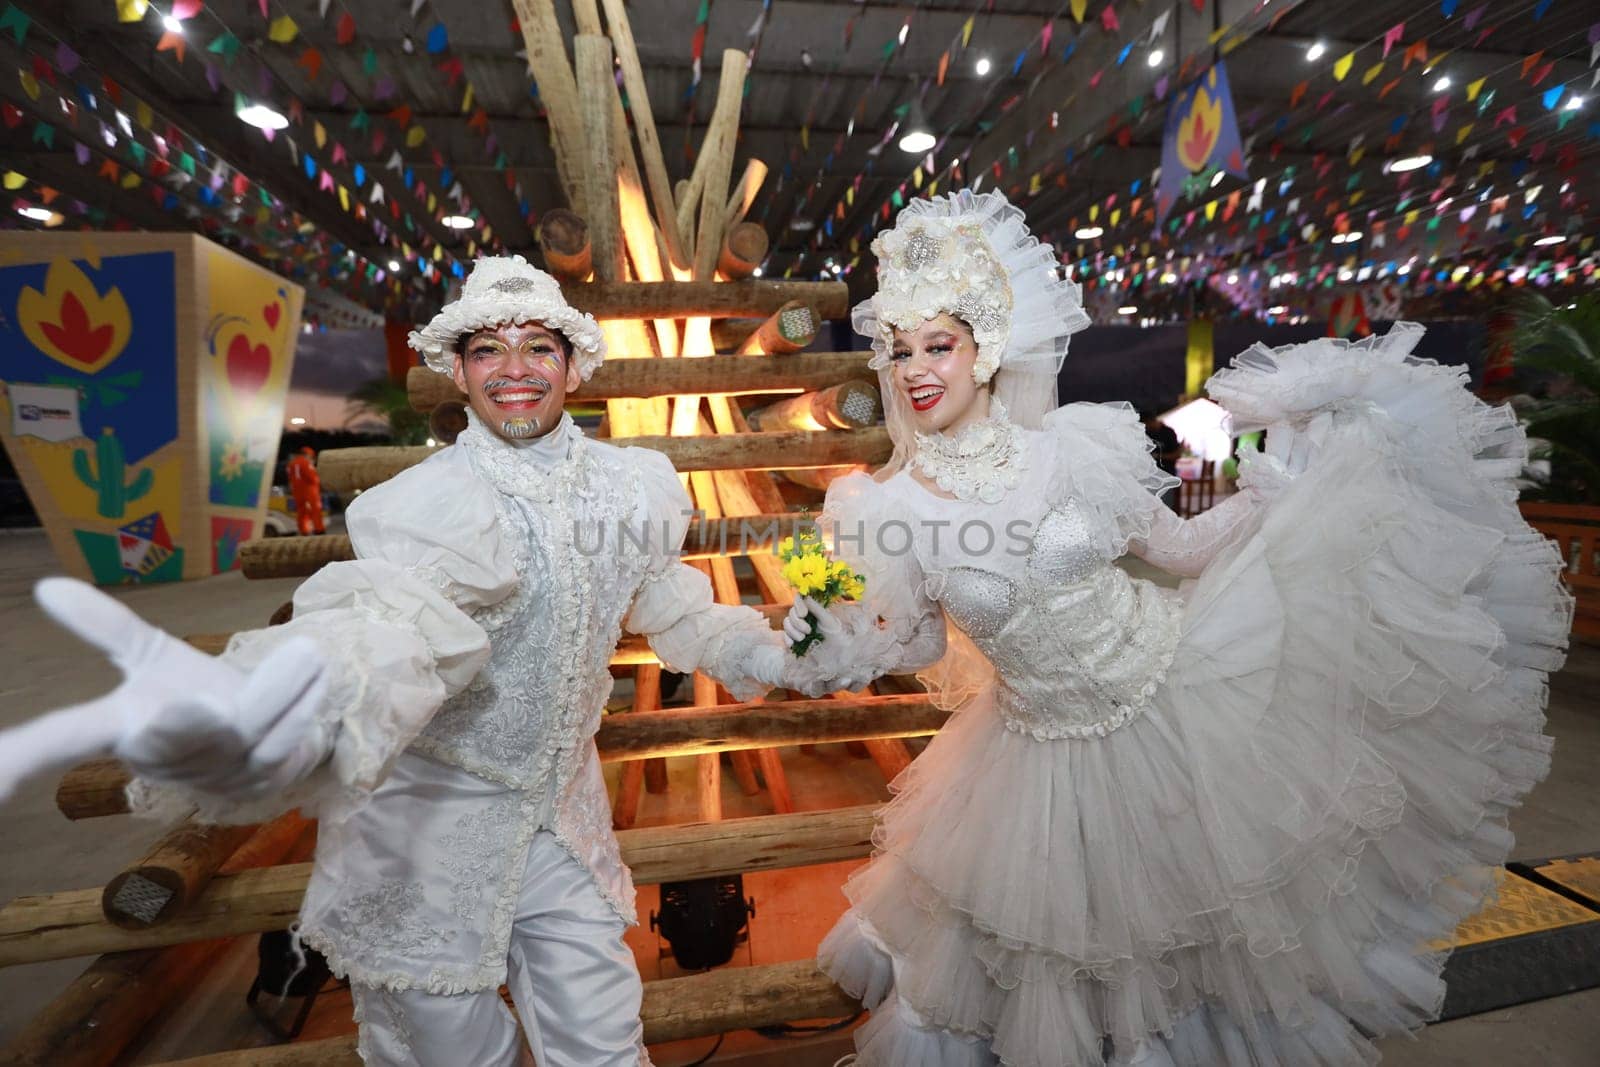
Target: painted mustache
(533,385)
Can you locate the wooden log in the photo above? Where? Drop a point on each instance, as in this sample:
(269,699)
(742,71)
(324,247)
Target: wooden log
(558,91)
(644,125)
(345,470)
(712,376)
(62,925)
(564,240)
(740,998)
(96,1017)
(646,697)
(300,557)
(710,299)
(103,1010)
(819,478)
(729,335)
(698,1005)
(847,406)
(742,195)
(744,247)
(447,420)
(171,875)
(95,788)
(776,778)
(693,731)
(789,329)
(595,72)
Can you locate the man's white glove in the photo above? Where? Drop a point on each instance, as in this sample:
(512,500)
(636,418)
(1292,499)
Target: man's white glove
(179,717)
(836,637)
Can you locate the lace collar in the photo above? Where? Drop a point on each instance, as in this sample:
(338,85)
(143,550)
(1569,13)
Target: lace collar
(982,461)
(542,470)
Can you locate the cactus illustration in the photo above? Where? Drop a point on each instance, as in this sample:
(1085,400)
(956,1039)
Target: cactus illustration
(107,477)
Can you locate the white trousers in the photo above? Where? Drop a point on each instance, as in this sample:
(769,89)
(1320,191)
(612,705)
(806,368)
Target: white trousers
(574,982)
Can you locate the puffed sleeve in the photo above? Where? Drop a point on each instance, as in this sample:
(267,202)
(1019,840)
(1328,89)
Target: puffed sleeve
(675,610)
(1104,458)
(895,628)
(395,625)
(1101,457)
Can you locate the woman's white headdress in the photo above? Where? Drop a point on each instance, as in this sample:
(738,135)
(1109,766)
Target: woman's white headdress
(970,255)
(501,291)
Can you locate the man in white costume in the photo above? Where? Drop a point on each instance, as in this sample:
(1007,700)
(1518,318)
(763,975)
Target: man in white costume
(433,702)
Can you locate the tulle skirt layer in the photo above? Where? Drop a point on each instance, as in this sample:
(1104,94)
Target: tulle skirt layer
(1257,868)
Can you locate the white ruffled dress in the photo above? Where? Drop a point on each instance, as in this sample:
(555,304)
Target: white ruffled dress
(1221,825)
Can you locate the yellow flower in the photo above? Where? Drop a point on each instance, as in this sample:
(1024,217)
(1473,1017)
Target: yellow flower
(786,547)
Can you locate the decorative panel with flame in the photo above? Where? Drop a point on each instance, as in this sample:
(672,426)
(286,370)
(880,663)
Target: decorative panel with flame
(130,432)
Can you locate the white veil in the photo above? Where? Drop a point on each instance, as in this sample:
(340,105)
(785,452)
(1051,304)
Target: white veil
(971,255)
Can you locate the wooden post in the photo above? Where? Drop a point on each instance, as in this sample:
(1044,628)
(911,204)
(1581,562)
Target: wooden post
(744,194)
(447,420)
(644,125)
(847,406)
(594,70)
(716,155)
(743,248)
(789,329)
(646,697)
(718,300)
(558,91)
(171,875)
(699,1005)
(62,925)
(96,1017)
(711,376)
(347,469)
(564,240)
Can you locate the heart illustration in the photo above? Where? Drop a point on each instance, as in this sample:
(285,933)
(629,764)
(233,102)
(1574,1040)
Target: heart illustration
(248,365)
(271,313)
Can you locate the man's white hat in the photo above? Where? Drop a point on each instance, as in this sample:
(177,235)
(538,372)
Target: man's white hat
(502,291)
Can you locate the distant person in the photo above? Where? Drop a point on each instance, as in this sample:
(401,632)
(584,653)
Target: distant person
(306,486)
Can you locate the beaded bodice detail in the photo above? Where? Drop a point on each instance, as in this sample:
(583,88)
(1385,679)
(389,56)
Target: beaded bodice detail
(1079,646)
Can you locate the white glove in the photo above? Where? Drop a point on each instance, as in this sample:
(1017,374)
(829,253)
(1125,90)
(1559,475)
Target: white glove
(179,717)
(796,627)
(1263,474)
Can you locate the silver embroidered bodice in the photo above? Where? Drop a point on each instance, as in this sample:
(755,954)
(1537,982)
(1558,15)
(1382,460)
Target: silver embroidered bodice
(1078,645)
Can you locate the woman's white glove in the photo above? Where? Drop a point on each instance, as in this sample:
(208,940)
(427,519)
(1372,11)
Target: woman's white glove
(180,717)
(1263,474)
(836,636)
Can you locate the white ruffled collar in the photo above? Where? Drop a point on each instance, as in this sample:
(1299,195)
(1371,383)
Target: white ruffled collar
(536,469)
(983,460)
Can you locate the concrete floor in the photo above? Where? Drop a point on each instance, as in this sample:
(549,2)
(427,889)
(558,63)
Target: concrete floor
(45,668)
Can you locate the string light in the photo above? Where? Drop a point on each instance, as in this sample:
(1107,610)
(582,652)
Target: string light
(1155,58)
(982,66)
(1316,52)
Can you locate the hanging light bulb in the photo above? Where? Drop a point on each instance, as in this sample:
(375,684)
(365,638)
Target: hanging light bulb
(1316,52)
(982,66)
(1155,57)
(918,137)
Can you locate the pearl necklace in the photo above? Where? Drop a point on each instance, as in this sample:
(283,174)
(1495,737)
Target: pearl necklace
(981,461)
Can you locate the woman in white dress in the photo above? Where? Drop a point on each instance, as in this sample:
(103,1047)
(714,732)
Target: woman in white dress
(1216,825)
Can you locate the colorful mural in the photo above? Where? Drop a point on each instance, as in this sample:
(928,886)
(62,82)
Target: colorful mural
(244,379)
(142,385)
(91,364)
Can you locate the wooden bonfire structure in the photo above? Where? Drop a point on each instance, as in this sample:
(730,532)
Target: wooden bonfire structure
(668,272)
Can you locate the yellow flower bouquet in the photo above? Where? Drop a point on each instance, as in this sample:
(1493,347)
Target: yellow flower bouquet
(808,569)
